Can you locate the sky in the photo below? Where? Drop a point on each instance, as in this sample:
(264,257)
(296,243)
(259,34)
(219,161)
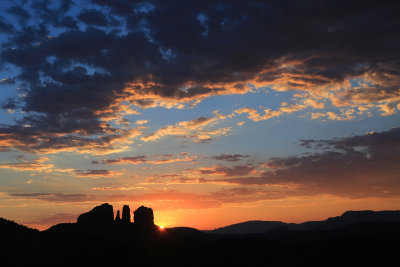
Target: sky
(210,112)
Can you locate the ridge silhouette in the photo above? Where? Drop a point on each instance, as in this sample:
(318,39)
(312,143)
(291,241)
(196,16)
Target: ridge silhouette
(346,219)
(356,238)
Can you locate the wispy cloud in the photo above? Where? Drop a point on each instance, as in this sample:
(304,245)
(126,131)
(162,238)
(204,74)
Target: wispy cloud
(194,129)
(23,164)
(97,173)
(156,159)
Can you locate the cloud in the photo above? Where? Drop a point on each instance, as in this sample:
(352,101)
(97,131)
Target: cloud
(47,138)
(93,17)
(57,197)
(77,78)
(346,115)
(353,167)
(302,102)
(7,81)
(140,122)
(116,188)
(165,200)
(5,27)
(97,173)
(23,164)
(156,159)
(125,160)
(229,157)
(239,170)
(193,129)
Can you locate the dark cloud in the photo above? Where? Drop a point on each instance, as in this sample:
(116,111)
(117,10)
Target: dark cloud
(93,17)
(125,160)
(54,13)
(10,104)
(5,27)
(163,53)
(18,11)
(44,136)
(97,173)
(229,157)
(358,166)
(7,81)
(239,170)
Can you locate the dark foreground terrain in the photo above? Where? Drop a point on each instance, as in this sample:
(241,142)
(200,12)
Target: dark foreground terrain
(94,241)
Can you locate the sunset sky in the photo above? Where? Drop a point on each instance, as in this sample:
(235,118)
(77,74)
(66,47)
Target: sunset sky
(210,112)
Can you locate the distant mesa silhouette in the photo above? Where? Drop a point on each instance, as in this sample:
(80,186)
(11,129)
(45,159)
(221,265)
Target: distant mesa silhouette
(99,216)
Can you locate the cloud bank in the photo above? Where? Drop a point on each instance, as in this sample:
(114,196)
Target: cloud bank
(81,70)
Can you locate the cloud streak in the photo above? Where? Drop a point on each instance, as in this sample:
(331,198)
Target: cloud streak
(156,159)
(97,173)
(24,164)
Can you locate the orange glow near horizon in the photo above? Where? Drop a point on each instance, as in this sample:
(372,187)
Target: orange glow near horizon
(290,210)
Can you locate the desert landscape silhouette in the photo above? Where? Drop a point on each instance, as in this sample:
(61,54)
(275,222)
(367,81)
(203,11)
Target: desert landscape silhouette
(100,238)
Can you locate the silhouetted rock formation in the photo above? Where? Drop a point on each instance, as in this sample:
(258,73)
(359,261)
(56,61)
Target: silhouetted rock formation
(143,217)
(98,216)
(118,217)
(126,214)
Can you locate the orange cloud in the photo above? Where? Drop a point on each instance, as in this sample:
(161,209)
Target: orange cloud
(194,129)
(28,165)
(161,159)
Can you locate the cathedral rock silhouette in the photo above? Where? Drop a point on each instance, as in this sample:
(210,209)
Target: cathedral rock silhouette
(103,216)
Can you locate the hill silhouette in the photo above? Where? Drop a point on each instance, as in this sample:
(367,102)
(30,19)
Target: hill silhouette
(346,219)
(97,238)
